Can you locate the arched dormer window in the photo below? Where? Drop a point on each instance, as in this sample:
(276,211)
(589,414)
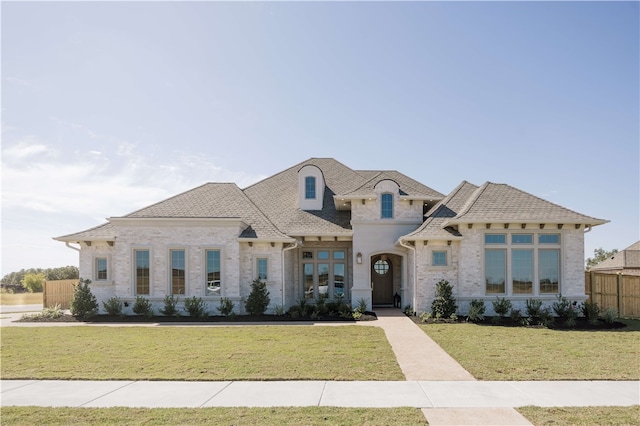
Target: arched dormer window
(310,188)
(386,206)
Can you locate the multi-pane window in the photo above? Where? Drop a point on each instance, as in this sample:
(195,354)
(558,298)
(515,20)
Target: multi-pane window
(178,271)
(439,258)
(262,267)
(101,269)
(142,273)
(310,188)
(324,273)
(522,263)
(214,283)
(386,202)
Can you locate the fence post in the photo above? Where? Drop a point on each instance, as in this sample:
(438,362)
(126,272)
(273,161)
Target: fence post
(619,294)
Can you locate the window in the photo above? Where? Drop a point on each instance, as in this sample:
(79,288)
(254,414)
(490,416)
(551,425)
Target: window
(522,264)
(387,206)
(262,266)
(310,188)
(381,267)
(142,277)
(214,284)
(324,274)
(438,258)
(100,269)
(178,272)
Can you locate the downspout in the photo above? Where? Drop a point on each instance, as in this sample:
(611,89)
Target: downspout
(413,249)
(68,244)
(295,245)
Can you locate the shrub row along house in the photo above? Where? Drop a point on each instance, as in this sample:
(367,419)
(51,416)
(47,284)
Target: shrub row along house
(321,229)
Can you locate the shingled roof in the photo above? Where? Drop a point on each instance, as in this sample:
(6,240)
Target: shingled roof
(104,232)
(501,203)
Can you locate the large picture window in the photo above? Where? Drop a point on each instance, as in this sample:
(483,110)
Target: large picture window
(522,263)
(214,282)
(323,273)
(142,273)
(178,272)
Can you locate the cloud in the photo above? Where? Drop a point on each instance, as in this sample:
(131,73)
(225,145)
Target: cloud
(27,147)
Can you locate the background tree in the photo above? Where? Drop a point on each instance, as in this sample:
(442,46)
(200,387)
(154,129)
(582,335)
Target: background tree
(60,273)
(599,255)
(34,282)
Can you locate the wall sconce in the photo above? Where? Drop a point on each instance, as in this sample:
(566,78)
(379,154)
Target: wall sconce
(359,257)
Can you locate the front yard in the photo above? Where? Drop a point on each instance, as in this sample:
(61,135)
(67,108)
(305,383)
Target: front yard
(198,353)
(517,353)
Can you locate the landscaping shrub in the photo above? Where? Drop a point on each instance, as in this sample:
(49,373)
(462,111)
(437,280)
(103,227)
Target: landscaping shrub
(591,312)
(362,306)
(476,311)
(533,307)
(408,311)
(143,307)
(170,308)
(113,306)
(546,317)
(83,304)
(444,304)
(258,299)
(501,307)
(226,306)
(196,307)
(610,315)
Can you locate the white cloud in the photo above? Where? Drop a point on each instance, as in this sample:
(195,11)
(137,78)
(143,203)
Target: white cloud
(26,148)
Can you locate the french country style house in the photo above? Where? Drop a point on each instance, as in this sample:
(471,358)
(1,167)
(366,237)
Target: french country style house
(321,229)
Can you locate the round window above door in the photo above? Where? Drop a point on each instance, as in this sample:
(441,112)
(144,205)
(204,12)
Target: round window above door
(381,267)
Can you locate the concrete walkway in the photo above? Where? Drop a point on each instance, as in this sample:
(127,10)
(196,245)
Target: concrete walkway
(436,383)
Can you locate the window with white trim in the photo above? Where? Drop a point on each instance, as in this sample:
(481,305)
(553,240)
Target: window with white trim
(522,263)
(178,271)
(142,274)
(100,269)
(310,187)
(386,206)
(439,258)
(213,276)
(262,268)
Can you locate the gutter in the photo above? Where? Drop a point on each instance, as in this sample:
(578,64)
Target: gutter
(68,244)
(413,249)
(295,245)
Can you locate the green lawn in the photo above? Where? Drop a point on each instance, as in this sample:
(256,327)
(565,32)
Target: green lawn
(198,353)
(212,416)
(20,298)
(516,353)
(542,416)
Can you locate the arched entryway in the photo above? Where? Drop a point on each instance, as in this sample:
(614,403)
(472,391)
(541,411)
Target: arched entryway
(382,279)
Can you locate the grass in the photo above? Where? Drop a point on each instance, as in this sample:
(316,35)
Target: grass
(516,353)
(540,416)
(198,353)
(206,416)
(20,298)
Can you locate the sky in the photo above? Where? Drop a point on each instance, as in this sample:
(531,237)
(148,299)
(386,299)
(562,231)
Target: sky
(108,107)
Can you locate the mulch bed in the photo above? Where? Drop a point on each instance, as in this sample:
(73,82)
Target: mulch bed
(581,324)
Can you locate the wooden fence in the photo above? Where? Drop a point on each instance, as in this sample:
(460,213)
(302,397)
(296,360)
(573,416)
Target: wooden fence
(59,292)
(621,292)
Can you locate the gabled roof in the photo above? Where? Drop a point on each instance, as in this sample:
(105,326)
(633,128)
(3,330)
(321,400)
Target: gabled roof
(409,188)
(277,197)
(501,203)
(626,259)
(433,228)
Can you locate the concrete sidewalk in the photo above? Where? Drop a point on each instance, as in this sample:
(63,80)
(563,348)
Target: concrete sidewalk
(375,394)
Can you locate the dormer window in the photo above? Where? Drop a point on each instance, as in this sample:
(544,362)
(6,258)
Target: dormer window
(386,206)
(310,188)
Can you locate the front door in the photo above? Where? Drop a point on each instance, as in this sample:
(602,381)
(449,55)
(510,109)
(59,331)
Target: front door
(382,280)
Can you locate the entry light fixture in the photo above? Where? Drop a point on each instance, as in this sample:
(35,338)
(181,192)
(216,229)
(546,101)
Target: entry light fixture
(359,257)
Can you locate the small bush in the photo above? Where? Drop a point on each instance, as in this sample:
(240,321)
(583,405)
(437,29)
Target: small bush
(356,315)
(444,305)
(52,312)
(533,307)
(591,312)
(170,308)
(501,307)
(278,310)
(258,299)
(143,307)
(546,317)
(476,311)
(408,311)
(610,315)
(362,306)
(113,306)
(83,304)
(348,315)
(425,316)
(226,306)
(562,307)
(196,307)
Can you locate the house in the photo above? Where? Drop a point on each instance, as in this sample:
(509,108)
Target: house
(322,229)
(626,262)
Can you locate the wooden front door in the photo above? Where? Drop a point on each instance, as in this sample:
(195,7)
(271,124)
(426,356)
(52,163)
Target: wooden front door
(382,280)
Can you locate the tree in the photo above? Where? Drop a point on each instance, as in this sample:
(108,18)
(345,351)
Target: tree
(258,299)
(60,273)
(34,282)
(84,304)
(599,255)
